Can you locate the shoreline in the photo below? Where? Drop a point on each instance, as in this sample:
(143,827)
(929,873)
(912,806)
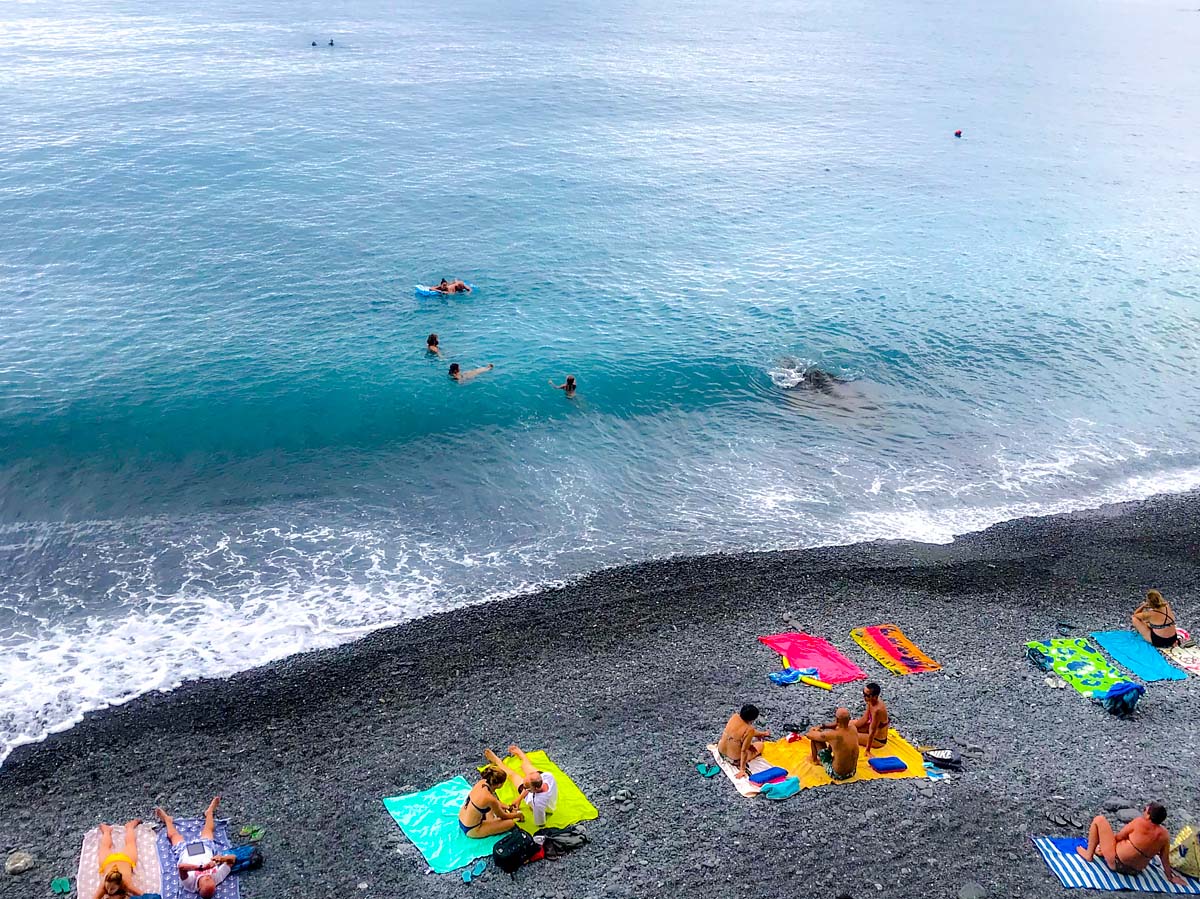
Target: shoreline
(626,674)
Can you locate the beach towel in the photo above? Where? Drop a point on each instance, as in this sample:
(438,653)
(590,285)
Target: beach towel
(743,784)
(572,806)
(147,876)
(1074,872)
(1077,662)
(430,820)
(807,651)
(1186,657)
(796,758)
(189,829)
(1130,650)
(891,648)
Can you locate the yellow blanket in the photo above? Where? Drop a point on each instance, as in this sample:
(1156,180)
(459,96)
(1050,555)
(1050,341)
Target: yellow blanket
(797,759)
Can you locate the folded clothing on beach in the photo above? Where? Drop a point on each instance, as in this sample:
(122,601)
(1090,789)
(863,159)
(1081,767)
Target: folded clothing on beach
(1074,872)
(807,651)
(147,874)
(744,785)
(189,829)
(1144,660)
(1186,657)
(1077,662)
(572,806)
(430,819)
(796,758)
(890,647)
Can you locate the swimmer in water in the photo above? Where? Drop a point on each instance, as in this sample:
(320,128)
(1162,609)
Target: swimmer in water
(431,344)
(568,386)
(452,287)
(331,42)
(459,375)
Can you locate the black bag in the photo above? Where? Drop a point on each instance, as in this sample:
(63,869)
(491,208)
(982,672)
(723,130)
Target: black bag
(514,849)
(947,759)
(558,841)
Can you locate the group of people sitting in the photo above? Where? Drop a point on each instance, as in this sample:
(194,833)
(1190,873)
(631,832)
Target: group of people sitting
(201,869)
(484,815)
(433,347)
(835,746)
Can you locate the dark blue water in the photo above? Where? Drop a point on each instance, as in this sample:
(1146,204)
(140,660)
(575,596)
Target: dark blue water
(221,440)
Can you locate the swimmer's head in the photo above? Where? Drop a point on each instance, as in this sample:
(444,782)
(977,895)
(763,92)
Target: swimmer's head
(570,382)
(431,340)
(454,369)
(444,283)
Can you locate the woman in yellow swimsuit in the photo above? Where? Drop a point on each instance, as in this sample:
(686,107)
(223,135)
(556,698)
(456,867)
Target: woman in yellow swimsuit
(116,868)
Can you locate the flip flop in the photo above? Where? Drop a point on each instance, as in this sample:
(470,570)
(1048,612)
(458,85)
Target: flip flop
(252,832)
(708,770)
(60,886)
(474,871)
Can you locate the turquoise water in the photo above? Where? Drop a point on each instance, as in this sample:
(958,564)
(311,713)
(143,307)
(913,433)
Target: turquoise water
(221,440)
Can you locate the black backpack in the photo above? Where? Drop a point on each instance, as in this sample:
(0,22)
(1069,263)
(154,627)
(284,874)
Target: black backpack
(514,849)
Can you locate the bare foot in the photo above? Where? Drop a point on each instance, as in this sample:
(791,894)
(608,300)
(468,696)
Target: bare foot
(106,829)
(1084,854)
(132,825)
(160,814)
(212,806)
(514,749)
(493,758)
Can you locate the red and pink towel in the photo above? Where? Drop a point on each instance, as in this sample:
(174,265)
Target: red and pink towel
(807,651)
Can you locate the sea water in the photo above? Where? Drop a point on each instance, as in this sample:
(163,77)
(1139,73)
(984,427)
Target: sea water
(222,441)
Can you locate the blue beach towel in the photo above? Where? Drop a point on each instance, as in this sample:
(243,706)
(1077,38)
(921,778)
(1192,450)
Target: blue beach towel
(189,829)
(1074,872)
(430,820)
(1130,650)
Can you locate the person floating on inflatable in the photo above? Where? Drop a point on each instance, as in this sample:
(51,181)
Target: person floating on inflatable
(958,133)
(452,287)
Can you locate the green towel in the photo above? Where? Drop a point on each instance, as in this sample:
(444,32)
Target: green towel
(430,820)
(1079,663)
(572,806)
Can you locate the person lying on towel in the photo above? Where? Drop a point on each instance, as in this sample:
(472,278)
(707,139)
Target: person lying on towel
(1131,850)
(116,866)
(200,868)
(536,789)
(482,814)
(835,747)
(741,743)
(872,727)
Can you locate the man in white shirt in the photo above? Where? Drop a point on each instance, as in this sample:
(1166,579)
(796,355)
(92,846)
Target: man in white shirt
(201,870)
(536,789)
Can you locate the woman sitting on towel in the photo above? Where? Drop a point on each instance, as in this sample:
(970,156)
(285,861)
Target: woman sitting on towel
(1139,843)
(116,868)
(483,815)
(1155,621)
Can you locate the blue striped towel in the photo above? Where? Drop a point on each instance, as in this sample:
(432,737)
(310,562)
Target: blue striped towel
(1059,853)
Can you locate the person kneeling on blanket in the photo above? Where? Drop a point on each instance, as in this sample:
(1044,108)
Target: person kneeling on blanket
(200,868)
(484,815)
(741,743)
(536,789)
(835,747)
(1131,850)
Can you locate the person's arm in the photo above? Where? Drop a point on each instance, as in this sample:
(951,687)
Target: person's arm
(227,859)
(557,386)
(99,891)
(1165,858)
(132,890)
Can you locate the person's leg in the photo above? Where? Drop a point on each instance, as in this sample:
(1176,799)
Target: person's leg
(1100,839)
(210,820)
(131,841)
(513,777)
(491,827)
(106,846)
(1141,627)
(173,835)
(815,746)
(527,769)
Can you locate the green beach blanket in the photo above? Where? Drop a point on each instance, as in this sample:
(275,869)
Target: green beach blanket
(1077,662)
(572,806)
(430,820)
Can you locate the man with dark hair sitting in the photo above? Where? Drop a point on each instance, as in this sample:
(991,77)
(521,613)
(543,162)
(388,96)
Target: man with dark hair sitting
(1131,850)
(741,742)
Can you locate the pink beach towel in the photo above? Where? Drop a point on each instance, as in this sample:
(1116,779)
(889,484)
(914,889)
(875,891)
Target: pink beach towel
(807,651)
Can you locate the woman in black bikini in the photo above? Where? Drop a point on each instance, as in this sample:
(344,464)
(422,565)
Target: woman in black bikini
(1155,621)
(482,814)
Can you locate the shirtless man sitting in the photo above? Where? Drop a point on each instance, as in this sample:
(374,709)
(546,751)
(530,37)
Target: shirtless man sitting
(872,727)
(1131,850)
(741,742)
(835,747)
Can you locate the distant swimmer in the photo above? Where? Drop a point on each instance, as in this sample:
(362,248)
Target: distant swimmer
(331,42)
(314,43)
(567,386)
(431,344)
(459,375)
(958,133)
(816,379)
(452,287)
